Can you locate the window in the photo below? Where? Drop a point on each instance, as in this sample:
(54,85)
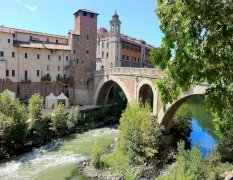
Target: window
(7,73)
(82,61)
(48,68)
(123,57)
(56,41)
(87,37)
(9,40)
(92,15)
(38,56)
(102,44)
(107,55)
(47,39)
(13,73)
(48,57)
(84,13)
(67,58)
(87,51)
(13,35)
(58,68)
(38,73)
(107,45)
(59,58)
(88,26)
(13,54)
(1,54)
(102,54)
(138,59)
(135,59)
(77,61)
(127,58)
(25,55)
(74,51)
(30,37)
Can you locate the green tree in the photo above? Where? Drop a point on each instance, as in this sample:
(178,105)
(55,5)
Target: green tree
(95,155)
(73,118)
(58,120)
(36,123)
(13,126)
(197,48)
(140,133)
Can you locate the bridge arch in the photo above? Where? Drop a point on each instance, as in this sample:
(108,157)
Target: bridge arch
(143,87)
(167,113)
(104,88)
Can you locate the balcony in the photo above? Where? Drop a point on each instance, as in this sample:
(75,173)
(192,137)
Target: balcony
(2,58)
(26,81)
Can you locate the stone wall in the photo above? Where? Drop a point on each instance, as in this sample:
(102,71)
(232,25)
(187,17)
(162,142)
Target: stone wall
(25,90)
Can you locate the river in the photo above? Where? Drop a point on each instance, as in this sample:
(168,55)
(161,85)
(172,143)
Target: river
(59,159)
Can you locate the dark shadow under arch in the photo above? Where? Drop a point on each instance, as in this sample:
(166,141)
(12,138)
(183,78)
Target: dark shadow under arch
(146,95)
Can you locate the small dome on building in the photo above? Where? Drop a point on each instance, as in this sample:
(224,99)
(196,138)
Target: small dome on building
(115,15)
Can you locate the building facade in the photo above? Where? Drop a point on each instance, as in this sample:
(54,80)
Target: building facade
(117,50)
(32,62)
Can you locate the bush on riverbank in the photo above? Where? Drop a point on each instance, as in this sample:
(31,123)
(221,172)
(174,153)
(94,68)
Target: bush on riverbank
(139,141)
(140,134)
(13,126)
(190,165)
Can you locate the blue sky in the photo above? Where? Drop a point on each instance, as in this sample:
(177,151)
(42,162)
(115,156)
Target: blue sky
(56,16)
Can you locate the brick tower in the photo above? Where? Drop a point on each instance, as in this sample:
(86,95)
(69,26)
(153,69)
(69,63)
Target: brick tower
(83,50)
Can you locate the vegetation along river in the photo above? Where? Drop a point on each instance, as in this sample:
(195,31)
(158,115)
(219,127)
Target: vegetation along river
(60,158)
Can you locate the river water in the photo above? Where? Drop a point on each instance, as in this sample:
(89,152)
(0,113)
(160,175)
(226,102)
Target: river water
(60,158)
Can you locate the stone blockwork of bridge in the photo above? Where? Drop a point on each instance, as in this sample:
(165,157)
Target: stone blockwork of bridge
(136,83)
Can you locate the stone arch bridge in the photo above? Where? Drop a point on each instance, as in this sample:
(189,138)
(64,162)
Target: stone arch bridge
(138,84)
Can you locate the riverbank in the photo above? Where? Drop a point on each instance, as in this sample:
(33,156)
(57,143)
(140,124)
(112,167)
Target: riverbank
(19,149)
(146,170)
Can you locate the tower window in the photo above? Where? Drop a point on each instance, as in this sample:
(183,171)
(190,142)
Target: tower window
(92,15)
(77,61)
(48,57)
(7,73)
(67,58)
(87,51)
(102,54)
(84,13)
(1,54)
(13,54)
(59,58)
(87,37)
(47,39)
(82,61)
(26,55)
(107,55)
(102,44)
(38,56)
(13,35)
(38,73)
(56,41)
(13,73)
(9,40)
(107,45)
(74,51)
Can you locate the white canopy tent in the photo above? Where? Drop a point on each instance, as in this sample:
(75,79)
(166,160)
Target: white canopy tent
(63,99)
(50,101)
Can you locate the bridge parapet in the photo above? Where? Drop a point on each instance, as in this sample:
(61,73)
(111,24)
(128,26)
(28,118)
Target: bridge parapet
(127,71)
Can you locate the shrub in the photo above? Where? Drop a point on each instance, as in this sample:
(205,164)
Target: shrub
(58,120)
(13,126)
(95,156)
(73,118)
(117,161)
(189,165)
(36,123)
(140,133)
(182,122)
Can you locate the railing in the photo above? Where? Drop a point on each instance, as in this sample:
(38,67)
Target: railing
(146,72)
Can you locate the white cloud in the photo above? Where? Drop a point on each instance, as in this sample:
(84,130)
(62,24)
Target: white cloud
(33,8)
